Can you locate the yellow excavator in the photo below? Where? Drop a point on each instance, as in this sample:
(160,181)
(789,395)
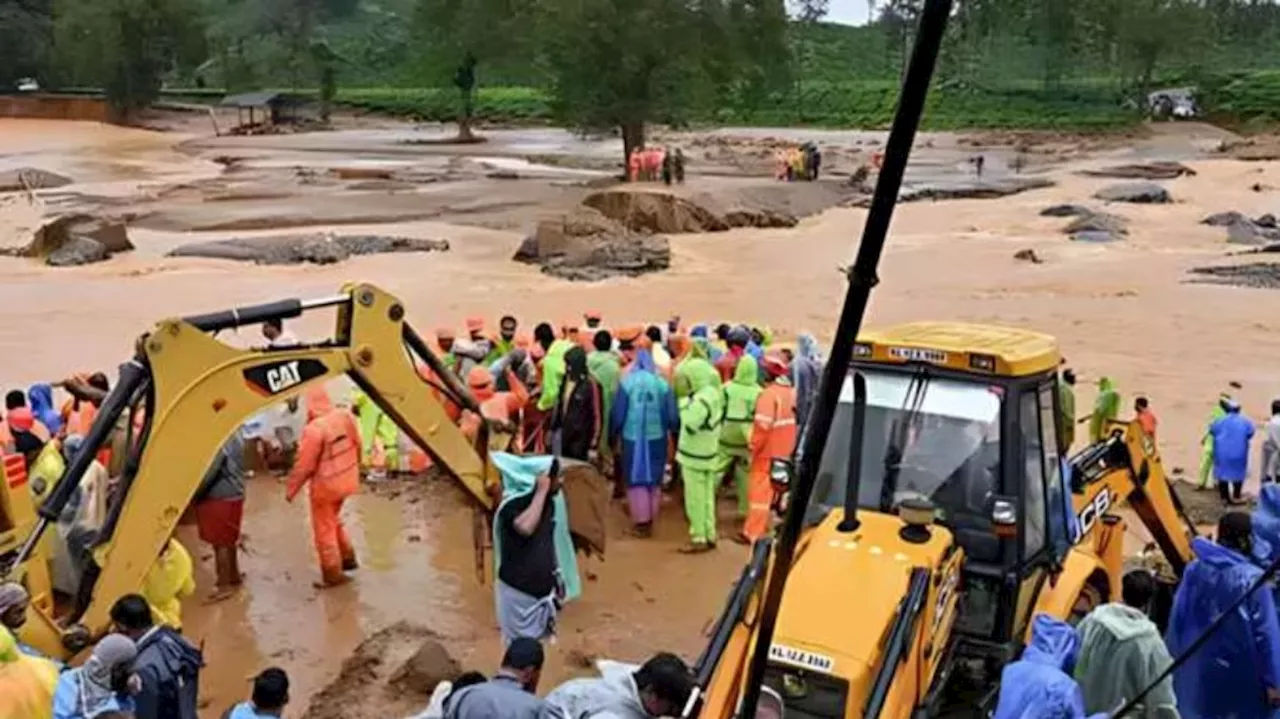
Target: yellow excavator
(193,392)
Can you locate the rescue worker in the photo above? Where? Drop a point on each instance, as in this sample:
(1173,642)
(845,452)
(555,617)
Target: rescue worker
(219,506)
(701,414)
(678,166)
(1236,673)
(1231,437)
(445,339)
(41,396)
(481,345)
(329,460)
(28,435)
(578,416)
(1066,410)
(1039,685)
(507,327)
(633,165)
(270,697)
(171,577)
(1146,418)
(644,417)
(606,370)
(14,601)
(659,688)
(1122,652)
(27,682)
(167,666)
(379,437)
(1105,408)
(512,693)
(806,374)
(102,686)
(1206,443)
(772,437)
(495,406)
(697,363)
(740,397)
(1271,445)
(552,365)
(736,341)
(628,339)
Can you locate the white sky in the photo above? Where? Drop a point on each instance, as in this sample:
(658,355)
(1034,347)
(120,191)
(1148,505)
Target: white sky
(850,12)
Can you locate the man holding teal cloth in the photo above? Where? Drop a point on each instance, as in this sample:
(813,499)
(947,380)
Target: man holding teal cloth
(534,559)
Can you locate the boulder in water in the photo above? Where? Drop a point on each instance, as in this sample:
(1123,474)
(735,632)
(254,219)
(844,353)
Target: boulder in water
(76,239)
(644,210)
(1094,237)
(1137,192)
(1099,222)
(30,178)
(1248,232)
(587,246)
(1143,171)
(1067,210)
(319,249)
(966,188)
(1223,219)
(77,251)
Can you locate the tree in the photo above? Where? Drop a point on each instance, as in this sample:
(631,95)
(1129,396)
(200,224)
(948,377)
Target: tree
(808,13)
(126,46)
(1150,29)
(26,40)
(458,36)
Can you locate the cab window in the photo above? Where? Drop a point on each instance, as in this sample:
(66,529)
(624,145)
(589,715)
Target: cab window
(1059,524)
(1034,510)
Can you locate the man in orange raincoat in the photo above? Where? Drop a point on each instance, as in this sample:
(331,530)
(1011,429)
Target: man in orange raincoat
(773,436)
(494,405)
(329,459)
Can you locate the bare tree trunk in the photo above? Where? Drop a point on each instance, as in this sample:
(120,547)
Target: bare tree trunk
(466,116)
(632,139)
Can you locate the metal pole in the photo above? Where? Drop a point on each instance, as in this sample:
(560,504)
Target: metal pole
(862,278)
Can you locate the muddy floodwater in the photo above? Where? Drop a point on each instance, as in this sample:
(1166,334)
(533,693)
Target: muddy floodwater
(1124,309)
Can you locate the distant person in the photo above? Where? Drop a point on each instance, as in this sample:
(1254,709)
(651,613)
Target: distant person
(1122,653)
(668,168)
(329,461)
(445,339)
(1236,673)
(219,507)
(661,356)
(1066,410)
(1146,418)
(659,688)
(512,693)
(736,341)
(26,435)
(678,166)
(103,686)
(270,697)
(1106,406)
(1039,684)
(979,162)
(167,666)
(1271,445)
(1231,437)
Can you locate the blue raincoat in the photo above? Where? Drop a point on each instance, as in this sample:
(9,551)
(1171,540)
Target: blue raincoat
(519,477)
(1228,676)
(806,373)
(1266,524)
(1039,685)
(644,416)
(41,398)
(1231,436)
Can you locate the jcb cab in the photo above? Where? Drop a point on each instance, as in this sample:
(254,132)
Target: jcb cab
(943,518)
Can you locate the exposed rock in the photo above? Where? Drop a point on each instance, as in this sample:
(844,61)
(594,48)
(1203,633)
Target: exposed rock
(759,218)
(1094,236)
(320,249)
(1138,192)
(1067,210)
(1099,222)
(1143,171)
(1268,221)
(645,210)
(1028,255)
(1248,232)
(430,664)
(77,251)
(503,175)
(30,178)
(966,189)
(362,173)
(1223,219)
(1261,275)
(585,245)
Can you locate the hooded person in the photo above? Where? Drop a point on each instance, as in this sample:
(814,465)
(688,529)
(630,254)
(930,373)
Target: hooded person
(698,452)
(806,374)
(1236,672)
(1105,408)
(41,396)
(644,416)
(170,579)
(578,413)
(1039,684)
(379,435)
(1231,437)
(740,397)
(1122,653)
(14,601)
(81,518)
(606,370)
(167,666)
(553,365)
(1066,410)
(534,557)
(102,686)
(773,436)
(329,462)
(1219,411)
(658,688)
(27,682)
(736,341)
(697,363)
(446,338)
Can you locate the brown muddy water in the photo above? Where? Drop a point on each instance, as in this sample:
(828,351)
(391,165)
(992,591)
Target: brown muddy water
(1124,310)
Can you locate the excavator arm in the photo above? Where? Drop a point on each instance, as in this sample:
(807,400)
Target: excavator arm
(197,391)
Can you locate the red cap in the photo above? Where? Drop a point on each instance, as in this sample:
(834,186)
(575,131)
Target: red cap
(592,315)
(774,365)
(475,324)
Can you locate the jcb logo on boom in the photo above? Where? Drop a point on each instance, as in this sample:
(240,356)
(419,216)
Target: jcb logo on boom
(1093,511)
(283,377)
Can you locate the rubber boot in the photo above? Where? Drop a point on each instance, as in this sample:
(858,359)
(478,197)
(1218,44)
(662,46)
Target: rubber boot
(331,578)
(349,564)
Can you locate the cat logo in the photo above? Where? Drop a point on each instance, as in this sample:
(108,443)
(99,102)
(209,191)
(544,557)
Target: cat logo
(1093,511)
(276,377)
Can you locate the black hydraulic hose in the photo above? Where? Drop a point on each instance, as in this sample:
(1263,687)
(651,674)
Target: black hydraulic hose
(1267,575)
(862,278)
(251,315)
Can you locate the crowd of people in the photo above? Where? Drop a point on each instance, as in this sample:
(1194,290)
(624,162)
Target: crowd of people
(651,164)
(802,162)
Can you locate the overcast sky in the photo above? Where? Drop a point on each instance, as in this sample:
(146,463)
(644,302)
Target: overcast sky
(851,12)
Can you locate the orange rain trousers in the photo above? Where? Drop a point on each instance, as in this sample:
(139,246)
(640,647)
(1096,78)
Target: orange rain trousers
(329,460)
(773,436)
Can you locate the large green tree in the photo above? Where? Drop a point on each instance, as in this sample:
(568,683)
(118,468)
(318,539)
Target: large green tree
(26,40)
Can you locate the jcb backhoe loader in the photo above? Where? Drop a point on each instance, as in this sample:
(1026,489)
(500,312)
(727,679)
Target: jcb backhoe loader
(195,391)
(927,515)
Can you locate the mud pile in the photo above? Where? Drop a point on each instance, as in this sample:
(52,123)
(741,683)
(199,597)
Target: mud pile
(30,178)
(73,240)
(585,245)
(391,674)
(318,249)
(1143,171)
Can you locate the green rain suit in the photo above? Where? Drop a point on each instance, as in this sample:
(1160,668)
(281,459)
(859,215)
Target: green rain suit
(1206,445)
(606,369)
(1105,408)
(740,397)
(696,366)
(375,424)
(553,374)
(1067,415)
(698,452)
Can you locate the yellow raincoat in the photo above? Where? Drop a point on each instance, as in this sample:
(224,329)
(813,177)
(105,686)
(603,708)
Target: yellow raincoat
(26,682)
(171,578)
